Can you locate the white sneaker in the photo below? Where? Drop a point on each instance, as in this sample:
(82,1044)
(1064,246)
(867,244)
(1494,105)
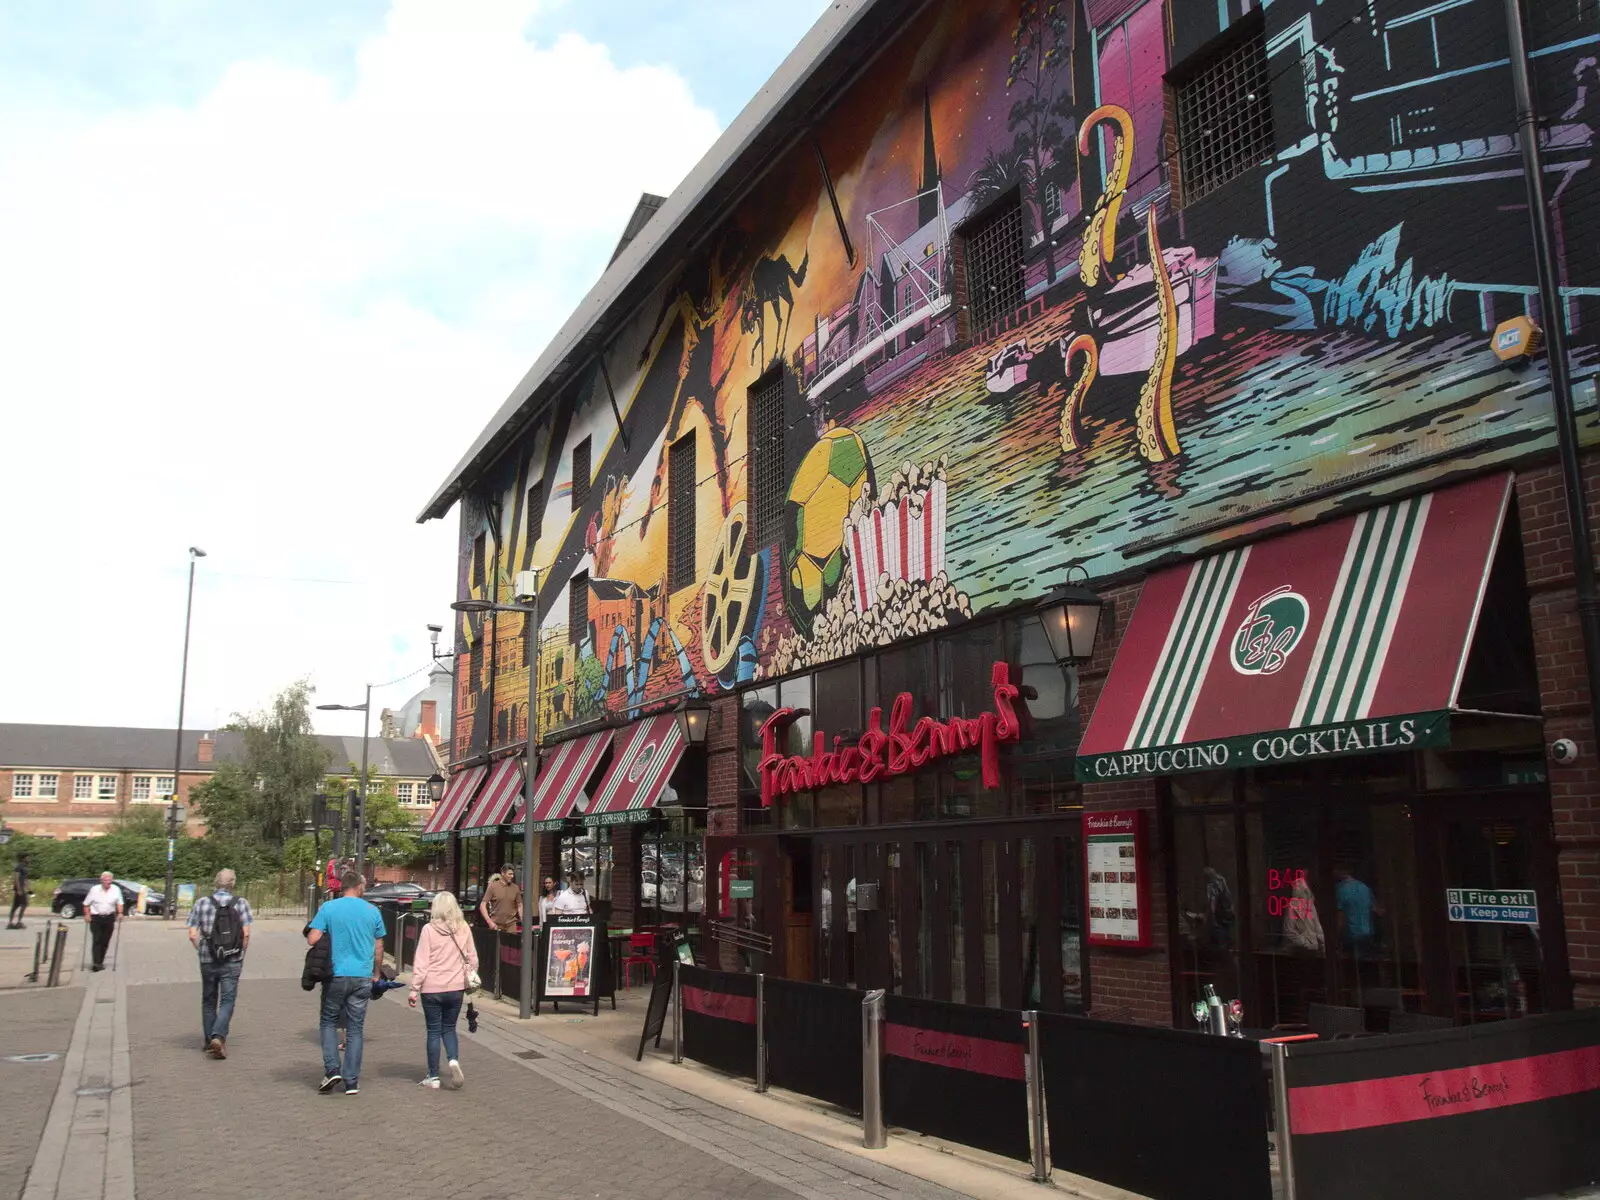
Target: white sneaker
(456,1077)
(432,1081)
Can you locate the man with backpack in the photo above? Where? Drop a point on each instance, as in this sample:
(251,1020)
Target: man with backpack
(219,928)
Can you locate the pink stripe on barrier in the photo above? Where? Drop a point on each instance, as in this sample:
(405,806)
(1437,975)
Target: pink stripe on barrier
(720,1004)
(982,1056)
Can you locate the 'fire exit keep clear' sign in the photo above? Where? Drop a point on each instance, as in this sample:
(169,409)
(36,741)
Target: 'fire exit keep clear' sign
(1497,906)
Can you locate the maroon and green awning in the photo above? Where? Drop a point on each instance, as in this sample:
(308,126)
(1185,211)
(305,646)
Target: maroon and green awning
(1343,638)
(447,813)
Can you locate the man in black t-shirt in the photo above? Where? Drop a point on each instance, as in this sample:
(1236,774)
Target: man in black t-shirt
(19,893)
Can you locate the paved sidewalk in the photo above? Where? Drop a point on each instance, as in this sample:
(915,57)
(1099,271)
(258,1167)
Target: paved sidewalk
(136,1100)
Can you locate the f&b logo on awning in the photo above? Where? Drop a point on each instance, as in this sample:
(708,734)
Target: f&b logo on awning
(1272,627)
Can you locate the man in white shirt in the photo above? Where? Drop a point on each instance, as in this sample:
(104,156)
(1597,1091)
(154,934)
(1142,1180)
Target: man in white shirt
(102,909)
(572,900)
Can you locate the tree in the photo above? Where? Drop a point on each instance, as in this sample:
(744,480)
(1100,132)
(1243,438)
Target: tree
(391,829)
(142,820)
(265,798)
(1041,119)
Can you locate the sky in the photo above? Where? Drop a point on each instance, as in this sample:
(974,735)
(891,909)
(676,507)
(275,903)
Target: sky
(265,272)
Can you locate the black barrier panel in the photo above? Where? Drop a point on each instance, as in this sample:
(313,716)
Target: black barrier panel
(391,920)
(510,950)
(956,1072)
(814,1041)
(1495,1112)
(719,1019)
(1163,1112)
(483,941)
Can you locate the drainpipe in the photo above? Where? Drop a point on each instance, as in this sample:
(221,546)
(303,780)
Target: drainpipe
(1555,329)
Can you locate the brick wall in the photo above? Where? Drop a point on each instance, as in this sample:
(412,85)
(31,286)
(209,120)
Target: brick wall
(1128,985)
(65,817)
(722,768)
(1564,696)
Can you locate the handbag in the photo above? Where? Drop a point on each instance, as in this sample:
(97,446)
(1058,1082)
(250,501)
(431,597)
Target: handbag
(473,980)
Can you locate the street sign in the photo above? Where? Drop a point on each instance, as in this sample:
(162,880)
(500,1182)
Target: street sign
(1494,906)
(741,889)
(172,845)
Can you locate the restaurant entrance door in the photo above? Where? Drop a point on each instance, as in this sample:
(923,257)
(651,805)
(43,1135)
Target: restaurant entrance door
(1493,965)
(1326,894)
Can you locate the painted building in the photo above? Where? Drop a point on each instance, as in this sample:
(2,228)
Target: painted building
(977,299)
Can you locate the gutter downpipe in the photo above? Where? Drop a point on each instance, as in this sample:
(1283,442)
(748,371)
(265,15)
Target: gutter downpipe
(1555,329)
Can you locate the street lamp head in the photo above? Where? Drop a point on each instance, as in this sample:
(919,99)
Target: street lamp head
(436,787)
(196,552)
(341,708)
(1071,618)
(472,606)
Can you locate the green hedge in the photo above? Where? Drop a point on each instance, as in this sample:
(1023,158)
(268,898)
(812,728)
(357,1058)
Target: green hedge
(140,859)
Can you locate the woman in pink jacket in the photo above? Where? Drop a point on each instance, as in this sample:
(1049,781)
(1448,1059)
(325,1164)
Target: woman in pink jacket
(439,976)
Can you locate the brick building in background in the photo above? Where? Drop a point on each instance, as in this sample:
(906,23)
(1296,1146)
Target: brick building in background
(75,781)
(1189,308)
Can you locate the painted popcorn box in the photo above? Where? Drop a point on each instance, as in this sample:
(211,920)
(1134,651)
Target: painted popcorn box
(903,539)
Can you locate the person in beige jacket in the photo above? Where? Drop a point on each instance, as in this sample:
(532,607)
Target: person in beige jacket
(445,953)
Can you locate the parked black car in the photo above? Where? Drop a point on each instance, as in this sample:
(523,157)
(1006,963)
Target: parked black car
(402,893)
(69,897)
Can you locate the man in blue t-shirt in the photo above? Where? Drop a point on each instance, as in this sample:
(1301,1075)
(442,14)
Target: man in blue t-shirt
(355,931)
(1356,905)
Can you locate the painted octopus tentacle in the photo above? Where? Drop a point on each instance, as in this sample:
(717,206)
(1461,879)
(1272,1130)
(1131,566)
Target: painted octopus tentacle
(1158,432)
(1071,432)
(1100,238)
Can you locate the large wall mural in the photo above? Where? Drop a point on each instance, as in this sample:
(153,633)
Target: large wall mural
(1310,336)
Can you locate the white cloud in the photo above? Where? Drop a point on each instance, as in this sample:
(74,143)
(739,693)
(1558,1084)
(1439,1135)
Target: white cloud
(268,323)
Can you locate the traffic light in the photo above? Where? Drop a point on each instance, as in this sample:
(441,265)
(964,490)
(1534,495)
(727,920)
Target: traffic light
(356,801)
(319,810)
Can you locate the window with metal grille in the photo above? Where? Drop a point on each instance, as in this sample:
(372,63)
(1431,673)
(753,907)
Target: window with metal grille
(578,608)
(993,246)
(768,474)
(580,475)
(1225,115)
(680,512)
(535,513)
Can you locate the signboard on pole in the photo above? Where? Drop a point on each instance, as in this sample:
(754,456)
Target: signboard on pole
(1495,906)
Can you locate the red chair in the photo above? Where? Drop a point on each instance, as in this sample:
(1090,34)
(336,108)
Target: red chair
(641,953)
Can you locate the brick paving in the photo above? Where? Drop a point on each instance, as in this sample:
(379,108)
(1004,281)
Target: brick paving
(560,1124)
(33,1022)
(286,1140)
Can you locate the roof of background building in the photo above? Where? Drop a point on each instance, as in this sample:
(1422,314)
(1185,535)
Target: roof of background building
(409,715)
(844,38)
(118,748)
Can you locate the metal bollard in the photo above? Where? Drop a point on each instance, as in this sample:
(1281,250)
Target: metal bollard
(761,1032)
(1036,1126)
(677,1012)
(311,901)
(55,959)
(1280,1109)
(38,957)
(873,1134)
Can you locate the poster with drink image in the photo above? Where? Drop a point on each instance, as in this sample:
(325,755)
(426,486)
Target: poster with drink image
(569,964)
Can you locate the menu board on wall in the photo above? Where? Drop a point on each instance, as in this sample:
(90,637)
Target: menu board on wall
(1115,878)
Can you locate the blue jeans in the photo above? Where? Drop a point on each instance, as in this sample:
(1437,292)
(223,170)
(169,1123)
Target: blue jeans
(219,984)
(344,1002)
(440,1010)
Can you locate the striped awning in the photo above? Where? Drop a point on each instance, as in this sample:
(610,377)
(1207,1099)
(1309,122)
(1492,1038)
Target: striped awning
(447,813)
(646,755)
(561,779)
(1348,637)
(495,801)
